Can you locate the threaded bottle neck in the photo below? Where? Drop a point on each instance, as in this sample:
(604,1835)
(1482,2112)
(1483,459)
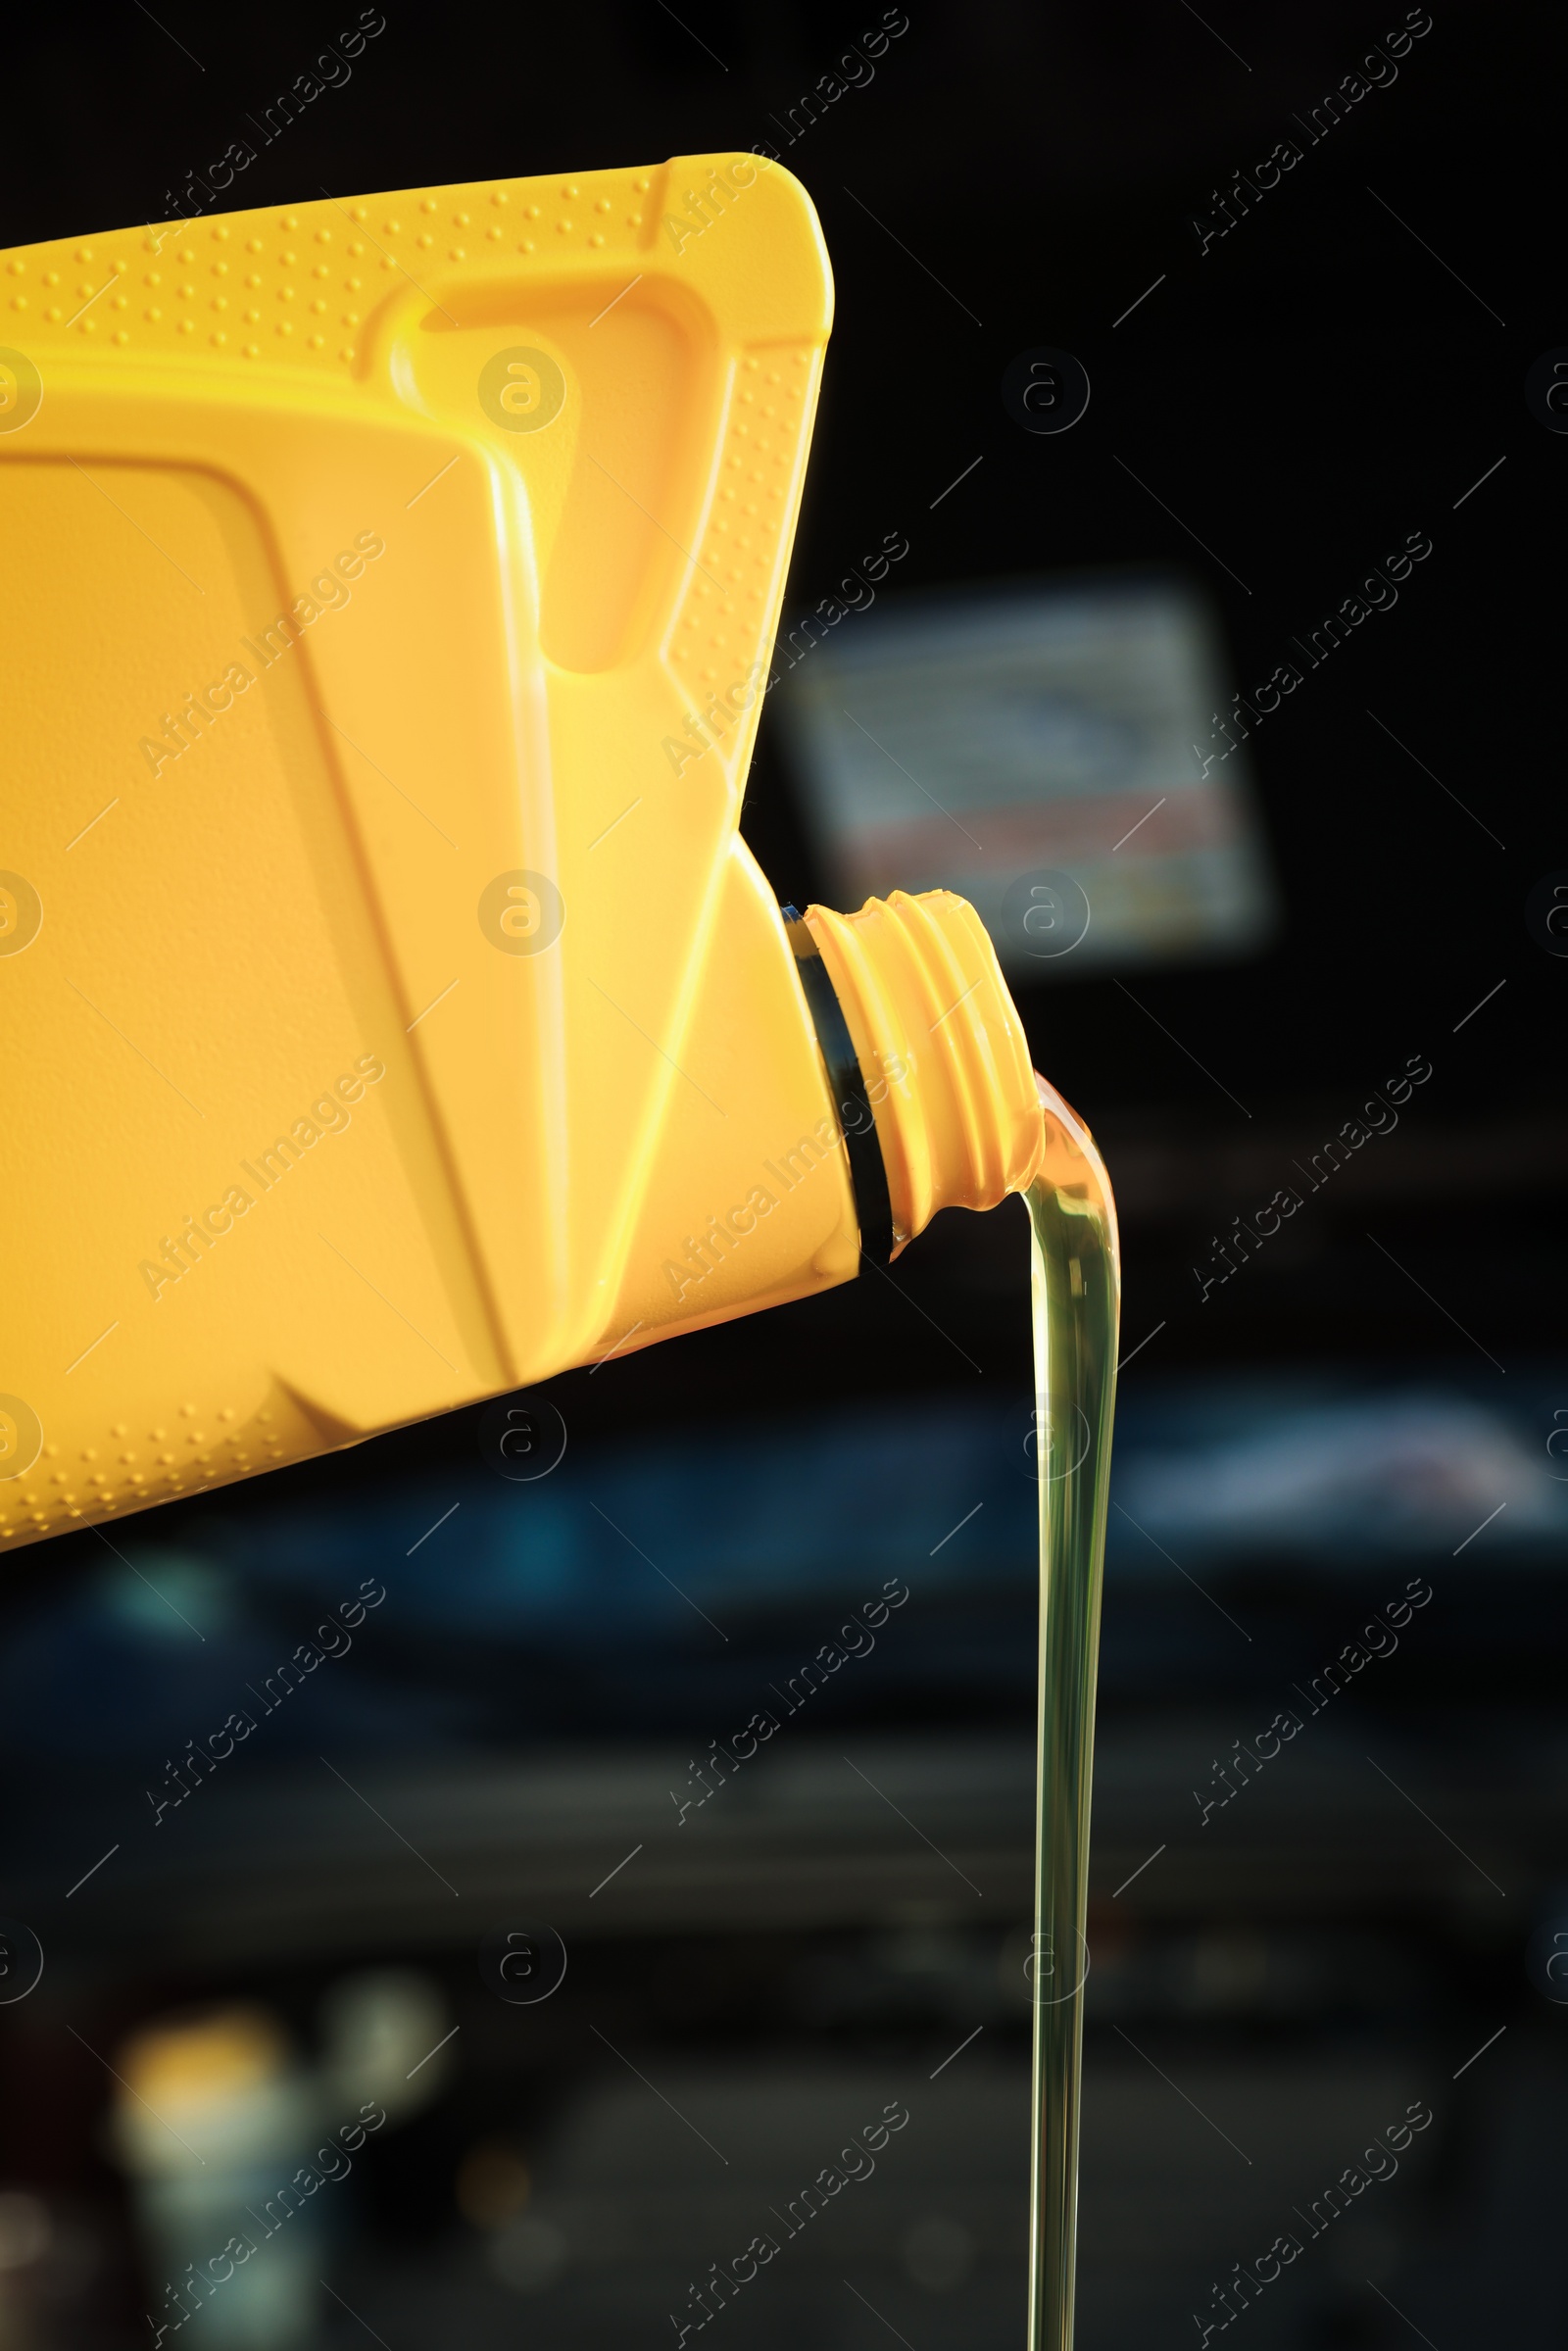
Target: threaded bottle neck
(942,1051)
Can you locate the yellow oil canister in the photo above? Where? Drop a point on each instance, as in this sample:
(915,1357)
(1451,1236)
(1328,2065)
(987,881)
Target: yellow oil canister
(393,1014)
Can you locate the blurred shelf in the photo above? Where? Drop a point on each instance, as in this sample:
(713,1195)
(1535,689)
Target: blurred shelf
(296,1865)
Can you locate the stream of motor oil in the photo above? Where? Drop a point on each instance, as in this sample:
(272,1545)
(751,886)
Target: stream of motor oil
(1077,1303)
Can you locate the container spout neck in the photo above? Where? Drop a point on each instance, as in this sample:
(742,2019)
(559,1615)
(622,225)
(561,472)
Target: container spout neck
(943,1059)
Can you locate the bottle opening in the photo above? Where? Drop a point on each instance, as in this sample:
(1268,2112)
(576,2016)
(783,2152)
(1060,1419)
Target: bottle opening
(945,1071)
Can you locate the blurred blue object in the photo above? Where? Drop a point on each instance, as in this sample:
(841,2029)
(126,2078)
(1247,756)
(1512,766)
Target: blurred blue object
(644,1578)
(1415,1470)
(943,1493)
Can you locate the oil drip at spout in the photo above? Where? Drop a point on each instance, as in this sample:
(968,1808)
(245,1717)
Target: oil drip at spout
(1077,1304)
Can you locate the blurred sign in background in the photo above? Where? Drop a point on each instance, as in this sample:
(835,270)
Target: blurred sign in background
(988,741)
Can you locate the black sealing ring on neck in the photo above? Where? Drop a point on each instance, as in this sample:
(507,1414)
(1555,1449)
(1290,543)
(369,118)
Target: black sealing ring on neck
(857,1121)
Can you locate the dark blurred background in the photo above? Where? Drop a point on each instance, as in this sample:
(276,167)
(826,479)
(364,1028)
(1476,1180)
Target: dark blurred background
(1364,1412)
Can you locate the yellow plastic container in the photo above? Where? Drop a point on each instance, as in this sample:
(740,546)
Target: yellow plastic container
(393,1014)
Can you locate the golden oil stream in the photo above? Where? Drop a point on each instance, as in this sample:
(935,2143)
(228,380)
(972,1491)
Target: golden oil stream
(1077,1307)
